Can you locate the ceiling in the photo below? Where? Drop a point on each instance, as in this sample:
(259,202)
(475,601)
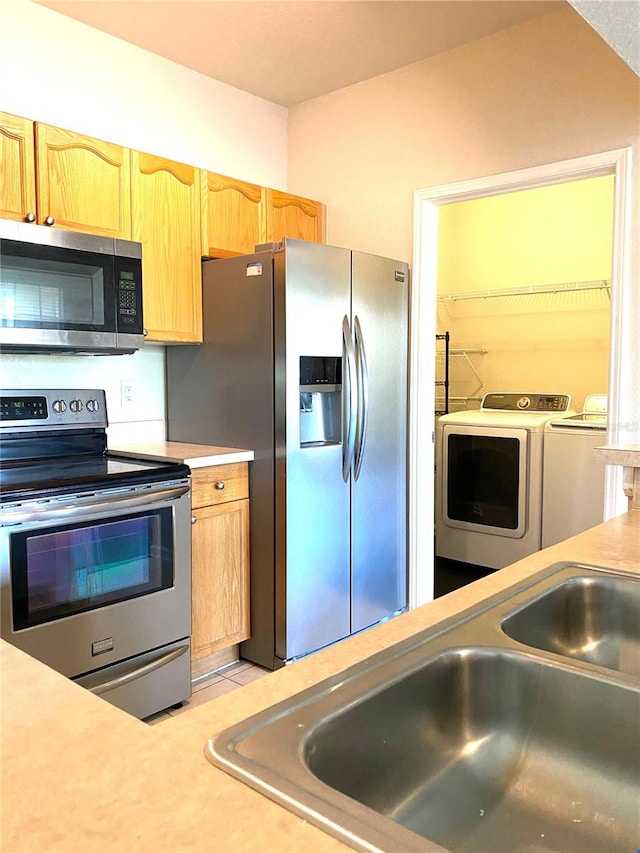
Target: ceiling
(289,51)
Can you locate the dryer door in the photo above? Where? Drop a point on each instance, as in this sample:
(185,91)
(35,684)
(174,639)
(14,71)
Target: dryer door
(485,473)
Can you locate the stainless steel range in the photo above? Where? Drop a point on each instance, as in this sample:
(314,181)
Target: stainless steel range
(95,552)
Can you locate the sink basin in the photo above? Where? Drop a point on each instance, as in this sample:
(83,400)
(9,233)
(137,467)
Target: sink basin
(588,618)
(463,752)
(462,738)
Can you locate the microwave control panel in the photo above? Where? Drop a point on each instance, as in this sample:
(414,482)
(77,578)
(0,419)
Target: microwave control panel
(129,285)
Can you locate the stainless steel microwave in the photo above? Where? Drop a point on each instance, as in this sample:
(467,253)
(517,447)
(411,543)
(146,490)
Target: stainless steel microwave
(62,291)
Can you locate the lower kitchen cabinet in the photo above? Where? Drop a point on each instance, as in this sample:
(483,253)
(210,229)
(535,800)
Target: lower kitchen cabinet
(220,558)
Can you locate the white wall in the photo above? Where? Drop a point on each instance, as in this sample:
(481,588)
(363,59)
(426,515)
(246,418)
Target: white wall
(546,91)
(58,71)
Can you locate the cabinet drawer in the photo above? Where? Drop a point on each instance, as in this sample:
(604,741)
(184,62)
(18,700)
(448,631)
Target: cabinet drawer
(219,484)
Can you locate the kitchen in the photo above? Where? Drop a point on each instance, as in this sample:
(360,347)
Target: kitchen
(570,50)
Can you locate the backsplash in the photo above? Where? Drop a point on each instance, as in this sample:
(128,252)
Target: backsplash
(136,413)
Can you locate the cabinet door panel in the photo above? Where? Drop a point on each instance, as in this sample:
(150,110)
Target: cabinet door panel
(220,577)
(83,183)
(17,168)
(233,216)
(166,220)
(293,216)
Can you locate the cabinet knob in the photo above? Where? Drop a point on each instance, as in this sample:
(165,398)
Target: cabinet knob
(144,333)
(193,519)
(30,217)
(49,220)
(220,485)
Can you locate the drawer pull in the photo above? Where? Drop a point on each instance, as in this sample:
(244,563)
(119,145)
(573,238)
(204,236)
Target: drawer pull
(193,519)
(220,485)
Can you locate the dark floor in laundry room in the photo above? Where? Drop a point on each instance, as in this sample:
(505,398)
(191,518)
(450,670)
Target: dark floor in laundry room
(452,574)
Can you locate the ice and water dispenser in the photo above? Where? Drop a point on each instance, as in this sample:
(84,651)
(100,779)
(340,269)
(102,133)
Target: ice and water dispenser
(320,400)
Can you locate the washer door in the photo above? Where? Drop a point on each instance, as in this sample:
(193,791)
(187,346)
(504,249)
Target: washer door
(486,476)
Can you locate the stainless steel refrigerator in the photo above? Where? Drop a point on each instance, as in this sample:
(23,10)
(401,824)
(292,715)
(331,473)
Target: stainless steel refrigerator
(304,361)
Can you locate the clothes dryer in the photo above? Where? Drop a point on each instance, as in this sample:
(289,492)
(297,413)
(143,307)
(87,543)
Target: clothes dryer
(489,465)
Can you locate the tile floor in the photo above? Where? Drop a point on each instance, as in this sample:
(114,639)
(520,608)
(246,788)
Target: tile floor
(223,681)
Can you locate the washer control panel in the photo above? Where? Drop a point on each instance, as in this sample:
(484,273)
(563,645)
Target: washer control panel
(526,402)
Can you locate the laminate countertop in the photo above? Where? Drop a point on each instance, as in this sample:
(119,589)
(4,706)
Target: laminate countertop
(81,775)
(193,455)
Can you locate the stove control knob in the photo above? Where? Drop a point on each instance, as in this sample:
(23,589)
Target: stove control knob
(59,406)
(75,405)
(92,405)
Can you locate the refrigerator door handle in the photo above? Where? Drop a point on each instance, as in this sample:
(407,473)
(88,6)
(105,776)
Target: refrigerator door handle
(349,401)
(363,397)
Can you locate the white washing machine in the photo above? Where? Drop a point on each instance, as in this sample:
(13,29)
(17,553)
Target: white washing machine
(573,481)
(489,478)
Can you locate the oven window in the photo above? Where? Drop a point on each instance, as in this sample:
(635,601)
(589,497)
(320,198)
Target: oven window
(74,568)
(483,480)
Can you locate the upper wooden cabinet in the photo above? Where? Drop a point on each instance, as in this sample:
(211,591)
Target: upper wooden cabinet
(64,179)
(84,184)
(165,203)
(17,168)
(236,216)
(292,216)
(233,220)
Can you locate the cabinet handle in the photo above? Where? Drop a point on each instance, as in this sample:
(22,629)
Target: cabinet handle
(193,519)
(30,217)
(220,485)
(49,220)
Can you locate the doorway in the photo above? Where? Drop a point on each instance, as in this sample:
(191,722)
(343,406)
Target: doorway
(426,216)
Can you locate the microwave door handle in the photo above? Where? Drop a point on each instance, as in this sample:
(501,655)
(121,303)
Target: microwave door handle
(83,508)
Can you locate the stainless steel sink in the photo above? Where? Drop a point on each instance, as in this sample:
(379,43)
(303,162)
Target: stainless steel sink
(592,619)
(462,738)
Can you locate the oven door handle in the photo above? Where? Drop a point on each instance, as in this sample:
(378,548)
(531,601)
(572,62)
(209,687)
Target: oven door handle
(82,508)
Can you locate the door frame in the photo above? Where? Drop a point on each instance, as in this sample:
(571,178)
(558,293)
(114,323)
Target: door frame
(423,331)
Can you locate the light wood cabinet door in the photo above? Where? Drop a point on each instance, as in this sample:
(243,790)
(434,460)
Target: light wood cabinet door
(17,168)
(233,216)
(220,577)
(165,199)
(83,183)
(292,216)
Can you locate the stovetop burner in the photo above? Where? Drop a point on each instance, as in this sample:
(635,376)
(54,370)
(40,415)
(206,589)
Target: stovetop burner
(54,442)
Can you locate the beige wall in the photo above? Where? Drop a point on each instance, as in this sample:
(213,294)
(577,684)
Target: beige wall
(543,92)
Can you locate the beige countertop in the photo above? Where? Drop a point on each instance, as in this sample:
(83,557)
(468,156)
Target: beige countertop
(627,455)
(81,775)
(193,455)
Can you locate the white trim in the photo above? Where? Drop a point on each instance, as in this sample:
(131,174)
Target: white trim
(423,326)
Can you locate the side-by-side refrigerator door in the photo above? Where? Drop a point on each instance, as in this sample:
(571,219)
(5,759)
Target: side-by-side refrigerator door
(380,309)
(312,297)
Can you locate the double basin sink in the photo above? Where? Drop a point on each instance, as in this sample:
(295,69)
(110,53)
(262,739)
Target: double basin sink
(514,726)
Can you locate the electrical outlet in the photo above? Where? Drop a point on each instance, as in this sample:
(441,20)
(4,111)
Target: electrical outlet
(127,392)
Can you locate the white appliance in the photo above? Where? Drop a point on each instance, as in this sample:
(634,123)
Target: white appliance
(573,480)
(489,465)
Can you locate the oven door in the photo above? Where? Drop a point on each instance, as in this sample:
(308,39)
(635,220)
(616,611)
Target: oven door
(91,580)
(485,480)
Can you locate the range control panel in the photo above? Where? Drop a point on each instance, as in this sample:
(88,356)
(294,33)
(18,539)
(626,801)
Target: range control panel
(526,402)
(52,408)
